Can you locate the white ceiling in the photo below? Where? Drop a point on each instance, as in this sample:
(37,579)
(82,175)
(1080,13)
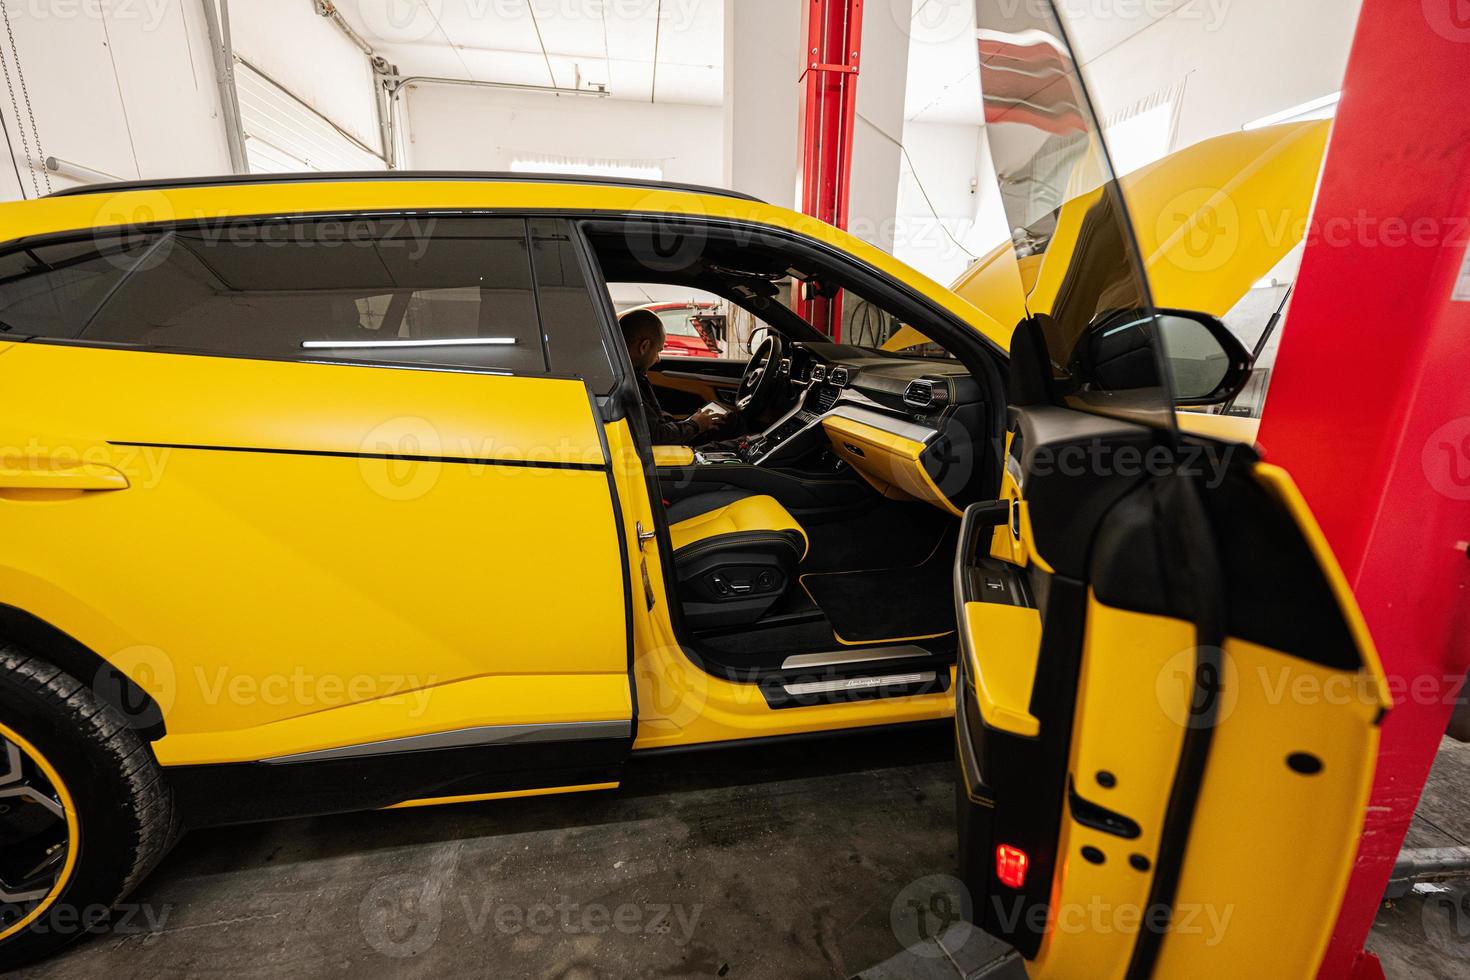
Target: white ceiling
(673,50)
(642,50)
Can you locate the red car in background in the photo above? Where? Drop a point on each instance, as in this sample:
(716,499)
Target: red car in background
(691,329)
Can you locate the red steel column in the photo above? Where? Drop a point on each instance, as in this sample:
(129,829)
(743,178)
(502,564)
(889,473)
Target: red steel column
(1369,404)
(832,42)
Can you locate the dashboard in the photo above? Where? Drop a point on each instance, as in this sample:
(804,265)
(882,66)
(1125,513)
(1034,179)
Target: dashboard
(913,428)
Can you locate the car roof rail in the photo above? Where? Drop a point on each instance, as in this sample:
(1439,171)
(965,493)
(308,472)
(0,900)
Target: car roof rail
(231,180)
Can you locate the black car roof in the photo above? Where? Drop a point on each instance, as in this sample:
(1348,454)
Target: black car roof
(230,180)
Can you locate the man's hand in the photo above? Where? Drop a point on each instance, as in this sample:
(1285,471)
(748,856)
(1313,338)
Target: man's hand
(705,420)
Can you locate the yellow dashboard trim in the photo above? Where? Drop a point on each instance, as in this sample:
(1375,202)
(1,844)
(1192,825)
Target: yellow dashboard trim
(673,456)
(897,472)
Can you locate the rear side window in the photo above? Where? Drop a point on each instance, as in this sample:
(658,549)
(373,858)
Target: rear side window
(444,292)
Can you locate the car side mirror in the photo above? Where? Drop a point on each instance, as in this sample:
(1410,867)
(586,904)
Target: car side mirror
(1207,363)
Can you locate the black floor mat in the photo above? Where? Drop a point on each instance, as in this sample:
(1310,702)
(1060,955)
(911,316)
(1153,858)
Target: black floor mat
(885,604)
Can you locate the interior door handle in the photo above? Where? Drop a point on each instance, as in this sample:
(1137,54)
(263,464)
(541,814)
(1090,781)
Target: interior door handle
(59,474)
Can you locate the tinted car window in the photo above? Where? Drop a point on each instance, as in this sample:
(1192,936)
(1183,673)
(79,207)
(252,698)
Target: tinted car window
(574,334)
(433,291)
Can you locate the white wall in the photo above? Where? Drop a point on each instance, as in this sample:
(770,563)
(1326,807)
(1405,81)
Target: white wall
(881,98)
(762,98)
(308,55)
(965,220)
(128,90)
(1239,60)
(459,128)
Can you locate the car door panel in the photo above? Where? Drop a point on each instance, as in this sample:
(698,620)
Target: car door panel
(1180,794)
(1124,793)
(686,384)
(314,557)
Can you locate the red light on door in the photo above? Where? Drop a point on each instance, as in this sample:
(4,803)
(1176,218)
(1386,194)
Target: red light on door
(1010,865)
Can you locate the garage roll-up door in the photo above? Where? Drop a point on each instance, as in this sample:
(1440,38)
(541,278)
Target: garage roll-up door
(285,135)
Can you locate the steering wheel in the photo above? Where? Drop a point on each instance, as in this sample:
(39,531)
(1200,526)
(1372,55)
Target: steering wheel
(762,378)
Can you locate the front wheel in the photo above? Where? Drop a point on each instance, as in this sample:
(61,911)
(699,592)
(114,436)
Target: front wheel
(85,812)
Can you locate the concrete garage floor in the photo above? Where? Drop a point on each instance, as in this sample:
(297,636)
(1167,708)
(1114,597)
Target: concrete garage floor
(832,860)
(1427,936)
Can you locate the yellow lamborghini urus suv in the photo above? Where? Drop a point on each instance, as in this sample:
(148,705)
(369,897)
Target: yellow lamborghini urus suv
(336,492)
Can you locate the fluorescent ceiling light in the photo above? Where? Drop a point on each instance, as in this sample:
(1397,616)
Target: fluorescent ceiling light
(360,344)
(1307,110)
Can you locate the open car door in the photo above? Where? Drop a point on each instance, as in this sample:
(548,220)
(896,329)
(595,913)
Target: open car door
(1168,702)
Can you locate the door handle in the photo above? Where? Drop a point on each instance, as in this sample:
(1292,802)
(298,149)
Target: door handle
(59,474)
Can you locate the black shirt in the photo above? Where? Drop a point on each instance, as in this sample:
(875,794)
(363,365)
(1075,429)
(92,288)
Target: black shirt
(665,429)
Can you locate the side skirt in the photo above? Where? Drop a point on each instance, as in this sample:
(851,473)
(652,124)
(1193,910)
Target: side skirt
(247,792)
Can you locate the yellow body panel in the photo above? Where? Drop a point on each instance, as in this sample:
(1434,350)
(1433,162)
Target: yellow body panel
(1225,428)
(1247,904)
(1211,220)
(1007,642)
(281,601)
(1127,722)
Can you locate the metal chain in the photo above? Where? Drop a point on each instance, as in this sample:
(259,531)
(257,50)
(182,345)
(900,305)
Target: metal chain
(26,96)
(25,140)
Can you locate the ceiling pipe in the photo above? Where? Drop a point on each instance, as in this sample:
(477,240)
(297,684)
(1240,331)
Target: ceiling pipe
(396,83)
(65,168)
(327,9)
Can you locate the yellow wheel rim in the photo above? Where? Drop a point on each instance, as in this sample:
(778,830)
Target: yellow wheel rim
(38,834)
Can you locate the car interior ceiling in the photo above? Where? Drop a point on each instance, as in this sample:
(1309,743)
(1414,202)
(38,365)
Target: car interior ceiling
(878,571)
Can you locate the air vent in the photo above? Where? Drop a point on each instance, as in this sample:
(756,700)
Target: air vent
(819,373)
(925,394)
(839,376)
(785,365)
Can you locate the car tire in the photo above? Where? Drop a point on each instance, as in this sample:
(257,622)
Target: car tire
(72,770)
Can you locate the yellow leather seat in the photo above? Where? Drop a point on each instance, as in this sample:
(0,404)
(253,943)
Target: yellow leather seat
(706,516)
(735,555)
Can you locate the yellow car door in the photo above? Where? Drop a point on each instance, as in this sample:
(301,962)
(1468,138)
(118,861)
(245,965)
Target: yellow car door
(336,496)
(1168,703)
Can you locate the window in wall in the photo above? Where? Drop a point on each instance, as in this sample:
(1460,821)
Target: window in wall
(536,163)
(285,135)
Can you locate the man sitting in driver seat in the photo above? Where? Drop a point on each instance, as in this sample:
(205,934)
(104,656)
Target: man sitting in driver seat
(643,332)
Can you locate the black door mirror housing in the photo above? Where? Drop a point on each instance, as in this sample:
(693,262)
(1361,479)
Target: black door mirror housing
(1207,363)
